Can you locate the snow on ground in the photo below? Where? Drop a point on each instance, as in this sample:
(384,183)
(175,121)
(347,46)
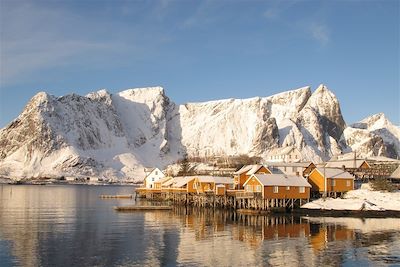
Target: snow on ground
(360,199)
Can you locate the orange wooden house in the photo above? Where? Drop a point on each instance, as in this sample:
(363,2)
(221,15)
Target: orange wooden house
(278,186)
(201,184)
(332,180)
(243,174)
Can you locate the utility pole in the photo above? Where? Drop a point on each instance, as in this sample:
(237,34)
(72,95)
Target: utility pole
(325,181)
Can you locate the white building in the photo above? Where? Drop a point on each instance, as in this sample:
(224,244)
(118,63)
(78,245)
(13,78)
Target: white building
(152,175)
(285,154)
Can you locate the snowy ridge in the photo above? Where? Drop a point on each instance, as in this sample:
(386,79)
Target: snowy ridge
(373,136)
(116,135)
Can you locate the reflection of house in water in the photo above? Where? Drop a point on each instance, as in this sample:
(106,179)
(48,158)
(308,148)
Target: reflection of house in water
(322,234)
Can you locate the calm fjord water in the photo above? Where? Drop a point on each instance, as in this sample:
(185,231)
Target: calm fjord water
(68,225)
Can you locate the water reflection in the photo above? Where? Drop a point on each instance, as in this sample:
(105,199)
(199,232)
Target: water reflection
(70,225)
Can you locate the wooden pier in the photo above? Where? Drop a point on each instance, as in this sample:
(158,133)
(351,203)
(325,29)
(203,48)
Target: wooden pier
(233,199)
(142,208)
(115,196)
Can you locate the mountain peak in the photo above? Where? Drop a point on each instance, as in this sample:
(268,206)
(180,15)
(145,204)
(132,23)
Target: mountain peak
(322,87)
(156,90)
(40,97)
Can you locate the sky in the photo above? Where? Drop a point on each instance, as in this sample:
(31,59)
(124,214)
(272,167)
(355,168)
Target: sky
(202,50)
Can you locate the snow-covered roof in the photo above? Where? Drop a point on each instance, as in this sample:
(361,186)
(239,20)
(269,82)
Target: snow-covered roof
(182,181)
(148,169)
(335,173)
(244,169)
(346,163)
(169,182)
(249,169)
(396,173)
(382,159)
(280,180)
(254,169)
(163,180)
(215,179)
(288,164)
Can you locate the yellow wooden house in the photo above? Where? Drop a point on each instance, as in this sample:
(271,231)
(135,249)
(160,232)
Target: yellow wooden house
(332,180)
(201,184)
(243,174)
(278,186)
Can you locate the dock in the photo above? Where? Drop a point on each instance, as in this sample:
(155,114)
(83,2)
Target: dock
(142,208)
(116,196)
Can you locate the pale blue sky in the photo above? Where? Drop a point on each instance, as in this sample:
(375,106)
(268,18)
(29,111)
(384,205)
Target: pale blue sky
(202,50)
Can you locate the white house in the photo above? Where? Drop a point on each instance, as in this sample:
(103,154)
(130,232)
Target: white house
(152,175)
(285,154)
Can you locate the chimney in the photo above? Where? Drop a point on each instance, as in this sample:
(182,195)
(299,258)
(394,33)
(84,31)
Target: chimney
(343,167)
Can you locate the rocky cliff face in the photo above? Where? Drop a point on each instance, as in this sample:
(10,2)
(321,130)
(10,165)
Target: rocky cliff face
(373,136)
(115,135)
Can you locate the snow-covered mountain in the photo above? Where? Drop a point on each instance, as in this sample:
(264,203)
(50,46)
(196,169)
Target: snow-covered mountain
(115,135)
(373,136)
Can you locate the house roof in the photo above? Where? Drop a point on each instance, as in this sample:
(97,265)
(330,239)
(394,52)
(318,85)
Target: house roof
(280,180)
(163,180)
(254,169)
(215,179)
(182,180)
(396,173)
(288,164)
(244,169)
(169,182)
(346,163)
(148,169)
(249,169)
(334,173)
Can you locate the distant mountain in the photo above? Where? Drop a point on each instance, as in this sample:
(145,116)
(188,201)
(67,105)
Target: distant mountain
(115,135)
(373,136)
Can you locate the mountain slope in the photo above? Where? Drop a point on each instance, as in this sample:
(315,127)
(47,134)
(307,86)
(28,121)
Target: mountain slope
(373,136)
(115,135)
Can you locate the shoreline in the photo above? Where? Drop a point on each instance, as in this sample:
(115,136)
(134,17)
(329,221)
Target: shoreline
(347,213)
(324,213)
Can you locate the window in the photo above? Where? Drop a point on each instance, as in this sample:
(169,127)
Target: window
(156,172)
(290,156)
(333,183)
(248,188)
(296,156)
(302,189)
(152,179)
(258,188)
(294,169)
(288,188)
(276,189)
(194,186)
(348,183)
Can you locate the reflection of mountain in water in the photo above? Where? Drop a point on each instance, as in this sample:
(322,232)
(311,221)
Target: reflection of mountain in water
(71,226)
